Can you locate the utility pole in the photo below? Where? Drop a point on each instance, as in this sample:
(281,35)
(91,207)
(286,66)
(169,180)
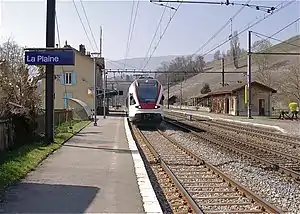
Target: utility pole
(249,75)
(180,94)
(95,94)
(104,92)
(97,55)
(223,72)
(168,91)
(50,42)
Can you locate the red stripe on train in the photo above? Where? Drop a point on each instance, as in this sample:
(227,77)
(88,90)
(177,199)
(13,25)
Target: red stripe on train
(148,105)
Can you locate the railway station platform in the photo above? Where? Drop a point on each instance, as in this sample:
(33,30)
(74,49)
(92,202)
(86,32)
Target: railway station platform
(99,170)
(284,126)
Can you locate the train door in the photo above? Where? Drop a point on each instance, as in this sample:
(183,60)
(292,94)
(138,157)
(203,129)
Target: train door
(131,105)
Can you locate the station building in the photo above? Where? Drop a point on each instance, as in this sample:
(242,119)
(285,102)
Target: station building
(231,100)
(76,82)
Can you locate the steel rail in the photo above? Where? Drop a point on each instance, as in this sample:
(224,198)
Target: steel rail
(265,133)
(186,195)
(282,169)
(259,133)
(265,205)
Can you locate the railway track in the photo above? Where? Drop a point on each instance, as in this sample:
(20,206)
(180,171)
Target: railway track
(262,133)
(203,186)
(269,154)
(279,147)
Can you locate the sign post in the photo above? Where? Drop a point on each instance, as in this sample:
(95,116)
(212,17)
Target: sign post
(50,57)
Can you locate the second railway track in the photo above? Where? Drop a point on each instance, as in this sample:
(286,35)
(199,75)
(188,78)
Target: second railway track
(262,133)
(202,184)
(281,158)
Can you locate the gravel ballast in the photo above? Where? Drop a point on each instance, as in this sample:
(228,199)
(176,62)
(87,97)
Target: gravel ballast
(273,186)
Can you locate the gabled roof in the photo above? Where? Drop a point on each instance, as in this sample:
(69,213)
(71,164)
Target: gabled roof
(234,88)
(99,62)
(239,86)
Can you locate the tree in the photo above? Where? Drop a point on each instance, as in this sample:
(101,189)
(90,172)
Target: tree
(223,55)
(217,55)
(261,60)
(205,89)
(291,83)
(20,99)
(18,82)
(235,49)
(189,65)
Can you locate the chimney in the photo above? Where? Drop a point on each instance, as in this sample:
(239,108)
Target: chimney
(82,49)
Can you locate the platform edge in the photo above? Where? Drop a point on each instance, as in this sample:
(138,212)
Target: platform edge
(236,121)
(146,190)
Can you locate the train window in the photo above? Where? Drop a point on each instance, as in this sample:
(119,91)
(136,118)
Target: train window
(161,102)
(147,93)
(132,101)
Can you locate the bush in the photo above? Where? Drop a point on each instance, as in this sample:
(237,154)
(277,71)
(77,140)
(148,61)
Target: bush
(23,129)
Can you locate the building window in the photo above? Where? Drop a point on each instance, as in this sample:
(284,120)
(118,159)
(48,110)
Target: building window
(68,78)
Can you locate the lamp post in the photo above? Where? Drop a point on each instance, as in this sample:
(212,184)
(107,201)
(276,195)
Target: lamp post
(95,94)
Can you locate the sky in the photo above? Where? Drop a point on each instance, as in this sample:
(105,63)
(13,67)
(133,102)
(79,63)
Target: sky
(191,27)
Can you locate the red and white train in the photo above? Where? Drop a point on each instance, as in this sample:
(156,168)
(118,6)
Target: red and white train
(144,102)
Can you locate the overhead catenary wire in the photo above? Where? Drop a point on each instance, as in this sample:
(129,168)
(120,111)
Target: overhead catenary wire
(271,37)
(131,29)
(89,25)
(279,7)
(282,29)
(161,36)
(157,28)
(92,46)
(250,26)
(264,8)
(221,29)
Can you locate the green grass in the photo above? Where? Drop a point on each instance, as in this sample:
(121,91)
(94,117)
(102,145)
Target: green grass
(14,165)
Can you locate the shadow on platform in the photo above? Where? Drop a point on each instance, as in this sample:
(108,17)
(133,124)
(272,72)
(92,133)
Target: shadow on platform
(48,198)
(104,148)
(114,115)
(87,133)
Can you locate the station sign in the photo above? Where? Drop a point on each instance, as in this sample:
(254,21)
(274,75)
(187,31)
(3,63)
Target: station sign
(50,57)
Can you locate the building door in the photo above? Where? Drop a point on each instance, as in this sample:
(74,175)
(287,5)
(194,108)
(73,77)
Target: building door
(226,106)
(261,107)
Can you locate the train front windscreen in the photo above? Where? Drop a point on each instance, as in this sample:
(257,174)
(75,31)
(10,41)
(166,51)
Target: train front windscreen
(147,91)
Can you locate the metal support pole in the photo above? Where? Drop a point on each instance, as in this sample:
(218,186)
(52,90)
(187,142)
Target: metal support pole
(95,94)
(249,76)
(223,72)
(50,42)
(168,91)
(180,94)
(104,92)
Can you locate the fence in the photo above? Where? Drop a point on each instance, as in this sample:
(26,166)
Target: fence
(6,134)
(60,116)
(7,131)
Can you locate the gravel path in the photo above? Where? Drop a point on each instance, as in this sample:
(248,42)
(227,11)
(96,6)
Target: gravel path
(270,185)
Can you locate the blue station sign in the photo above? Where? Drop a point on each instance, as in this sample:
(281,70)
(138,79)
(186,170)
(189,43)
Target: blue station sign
(50,57)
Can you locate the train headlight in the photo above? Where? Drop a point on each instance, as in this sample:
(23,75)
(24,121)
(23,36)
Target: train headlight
(138,107)
(157,107)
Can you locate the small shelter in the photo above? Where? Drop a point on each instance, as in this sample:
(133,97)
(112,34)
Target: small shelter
(231,99)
